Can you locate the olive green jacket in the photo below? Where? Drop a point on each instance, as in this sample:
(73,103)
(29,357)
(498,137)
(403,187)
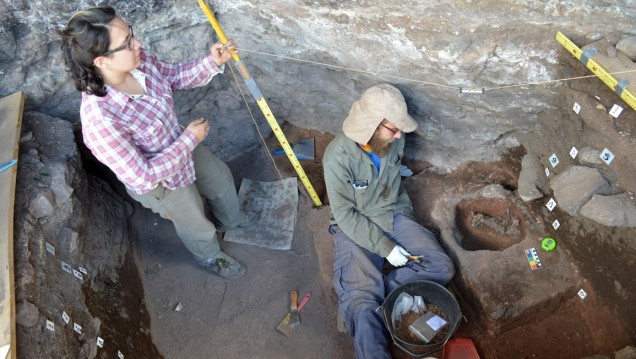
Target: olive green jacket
(365,213)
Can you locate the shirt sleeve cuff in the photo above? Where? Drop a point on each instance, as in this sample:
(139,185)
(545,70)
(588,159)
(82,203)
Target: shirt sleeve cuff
(189,140)
(211,66)
(385,246)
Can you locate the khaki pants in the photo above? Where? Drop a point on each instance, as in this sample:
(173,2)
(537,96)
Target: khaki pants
(184,206)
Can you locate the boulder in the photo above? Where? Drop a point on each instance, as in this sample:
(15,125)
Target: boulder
(576,185)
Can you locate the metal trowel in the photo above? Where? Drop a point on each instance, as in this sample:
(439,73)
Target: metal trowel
(303,149)
(288,323)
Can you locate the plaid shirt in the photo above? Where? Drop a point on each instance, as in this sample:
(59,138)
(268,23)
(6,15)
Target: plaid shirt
(138,136)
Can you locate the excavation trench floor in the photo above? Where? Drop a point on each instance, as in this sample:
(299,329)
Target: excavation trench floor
(502,299)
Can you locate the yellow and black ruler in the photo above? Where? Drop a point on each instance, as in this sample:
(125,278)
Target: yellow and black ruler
(262,103)
(617,85)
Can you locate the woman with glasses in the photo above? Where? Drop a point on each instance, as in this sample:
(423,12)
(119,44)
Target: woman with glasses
(129,123)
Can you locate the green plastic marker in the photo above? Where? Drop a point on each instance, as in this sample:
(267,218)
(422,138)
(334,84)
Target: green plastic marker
(548,244)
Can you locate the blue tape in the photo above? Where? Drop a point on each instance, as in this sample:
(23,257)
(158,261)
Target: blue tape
(7,165)
(621,85)
(251,85)
(587,54)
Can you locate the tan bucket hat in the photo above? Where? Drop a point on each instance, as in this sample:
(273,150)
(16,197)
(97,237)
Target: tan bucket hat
(377,103)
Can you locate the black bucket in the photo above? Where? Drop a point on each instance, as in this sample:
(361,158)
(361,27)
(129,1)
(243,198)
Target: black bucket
(432,293)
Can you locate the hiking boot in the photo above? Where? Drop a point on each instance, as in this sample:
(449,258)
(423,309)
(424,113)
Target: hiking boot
(225,266)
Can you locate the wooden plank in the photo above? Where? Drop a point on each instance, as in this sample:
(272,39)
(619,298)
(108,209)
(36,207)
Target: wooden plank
(11,108)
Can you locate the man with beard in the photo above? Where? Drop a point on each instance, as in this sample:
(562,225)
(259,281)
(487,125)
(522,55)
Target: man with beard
(372,218)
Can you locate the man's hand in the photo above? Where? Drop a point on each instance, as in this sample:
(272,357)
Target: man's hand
(398,256)
(199,128)
(223,53)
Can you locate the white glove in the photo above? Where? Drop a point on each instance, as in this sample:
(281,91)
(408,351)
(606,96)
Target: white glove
(398,256)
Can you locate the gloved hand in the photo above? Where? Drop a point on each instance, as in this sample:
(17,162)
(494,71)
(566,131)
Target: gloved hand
(398,256)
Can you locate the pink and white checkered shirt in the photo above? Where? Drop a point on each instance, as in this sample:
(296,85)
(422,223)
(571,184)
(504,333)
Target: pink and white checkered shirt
(139,137)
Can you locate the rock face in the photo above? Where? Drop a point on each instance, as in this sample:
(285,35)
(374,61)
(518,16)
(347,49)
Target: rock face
(428,48)
(533,183)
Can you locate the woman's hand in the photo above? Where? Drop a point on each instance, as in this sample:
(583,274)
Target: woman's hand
(199,128)
(222,53)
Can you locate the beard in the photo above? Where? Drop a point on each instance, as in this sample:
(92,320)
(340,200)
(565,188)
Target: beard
(379,146)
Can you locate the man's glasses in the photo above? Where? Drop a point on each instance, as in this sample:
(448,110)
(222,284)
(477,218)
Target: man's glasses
(128,45)
(394,130)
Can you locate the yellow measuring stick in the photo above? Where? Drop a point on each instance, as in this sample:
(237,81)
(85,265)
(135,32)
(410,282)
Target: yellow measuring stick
(619,86)
(260,100)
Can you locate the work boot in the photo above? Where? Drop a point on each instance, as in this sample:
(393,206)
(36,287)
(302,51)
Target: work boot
(225,266)
(245,220)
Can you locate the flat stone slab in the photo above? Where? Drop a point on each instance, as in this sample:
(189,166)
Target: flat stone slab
(274,205)
(576,185)
(616,211)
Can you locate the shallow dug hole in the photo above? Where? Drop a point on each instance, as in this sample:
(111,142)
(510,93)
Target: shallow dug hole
(490,224)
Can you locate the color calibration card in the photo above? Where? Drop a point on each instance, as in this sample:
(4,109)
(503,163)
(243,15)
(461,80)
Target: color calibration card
(533,258)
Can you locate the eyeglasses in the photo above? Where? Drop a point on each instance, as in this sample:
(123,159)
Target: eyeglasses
(127,45)
(394,130)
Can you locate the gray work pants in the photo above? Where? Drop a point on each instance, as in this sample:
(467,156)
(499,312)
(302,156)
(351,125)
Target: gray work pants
(362,288)
(184,206)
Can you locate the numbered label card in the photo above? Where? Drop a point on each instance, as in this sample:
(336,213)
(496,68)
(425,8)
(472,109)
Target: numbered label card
(100,342)
(582,294)
(576,108)
(83,270)
(607,156)
(616,111)
(551,204)
(50,248)
(50,325)
(65,317)
(120,355)
(556,224)
(67,267)
(554,160)
(77,328)
(547,172)
(78,274)
(574,152)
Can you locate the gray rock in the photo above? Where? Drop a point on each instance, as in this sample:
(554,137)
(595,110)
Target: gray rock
(67,240)
(40,206)
(26,314)
(532,183)
(627,45)
(615,211)
(494,191)
(629,352)
(61,190)
(590,156)
(576,185)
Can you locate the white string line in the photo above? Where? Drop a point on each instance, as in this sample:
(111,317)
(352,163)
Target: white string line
(425,82)
(256,125)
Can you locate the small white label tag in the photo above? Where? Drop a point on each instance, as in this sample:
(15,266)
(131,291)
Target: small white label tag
(77,328)
(83,270)
(551,204)
(556,224)
(582,294)
(554,160)
(576,108)
(607,156)
(100,342)
(67,268)
(615,111)
(547,172)
(65,317)
(50,325)
(120,355)
(574,152)
(436,322)
(78,274)
(50,248)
